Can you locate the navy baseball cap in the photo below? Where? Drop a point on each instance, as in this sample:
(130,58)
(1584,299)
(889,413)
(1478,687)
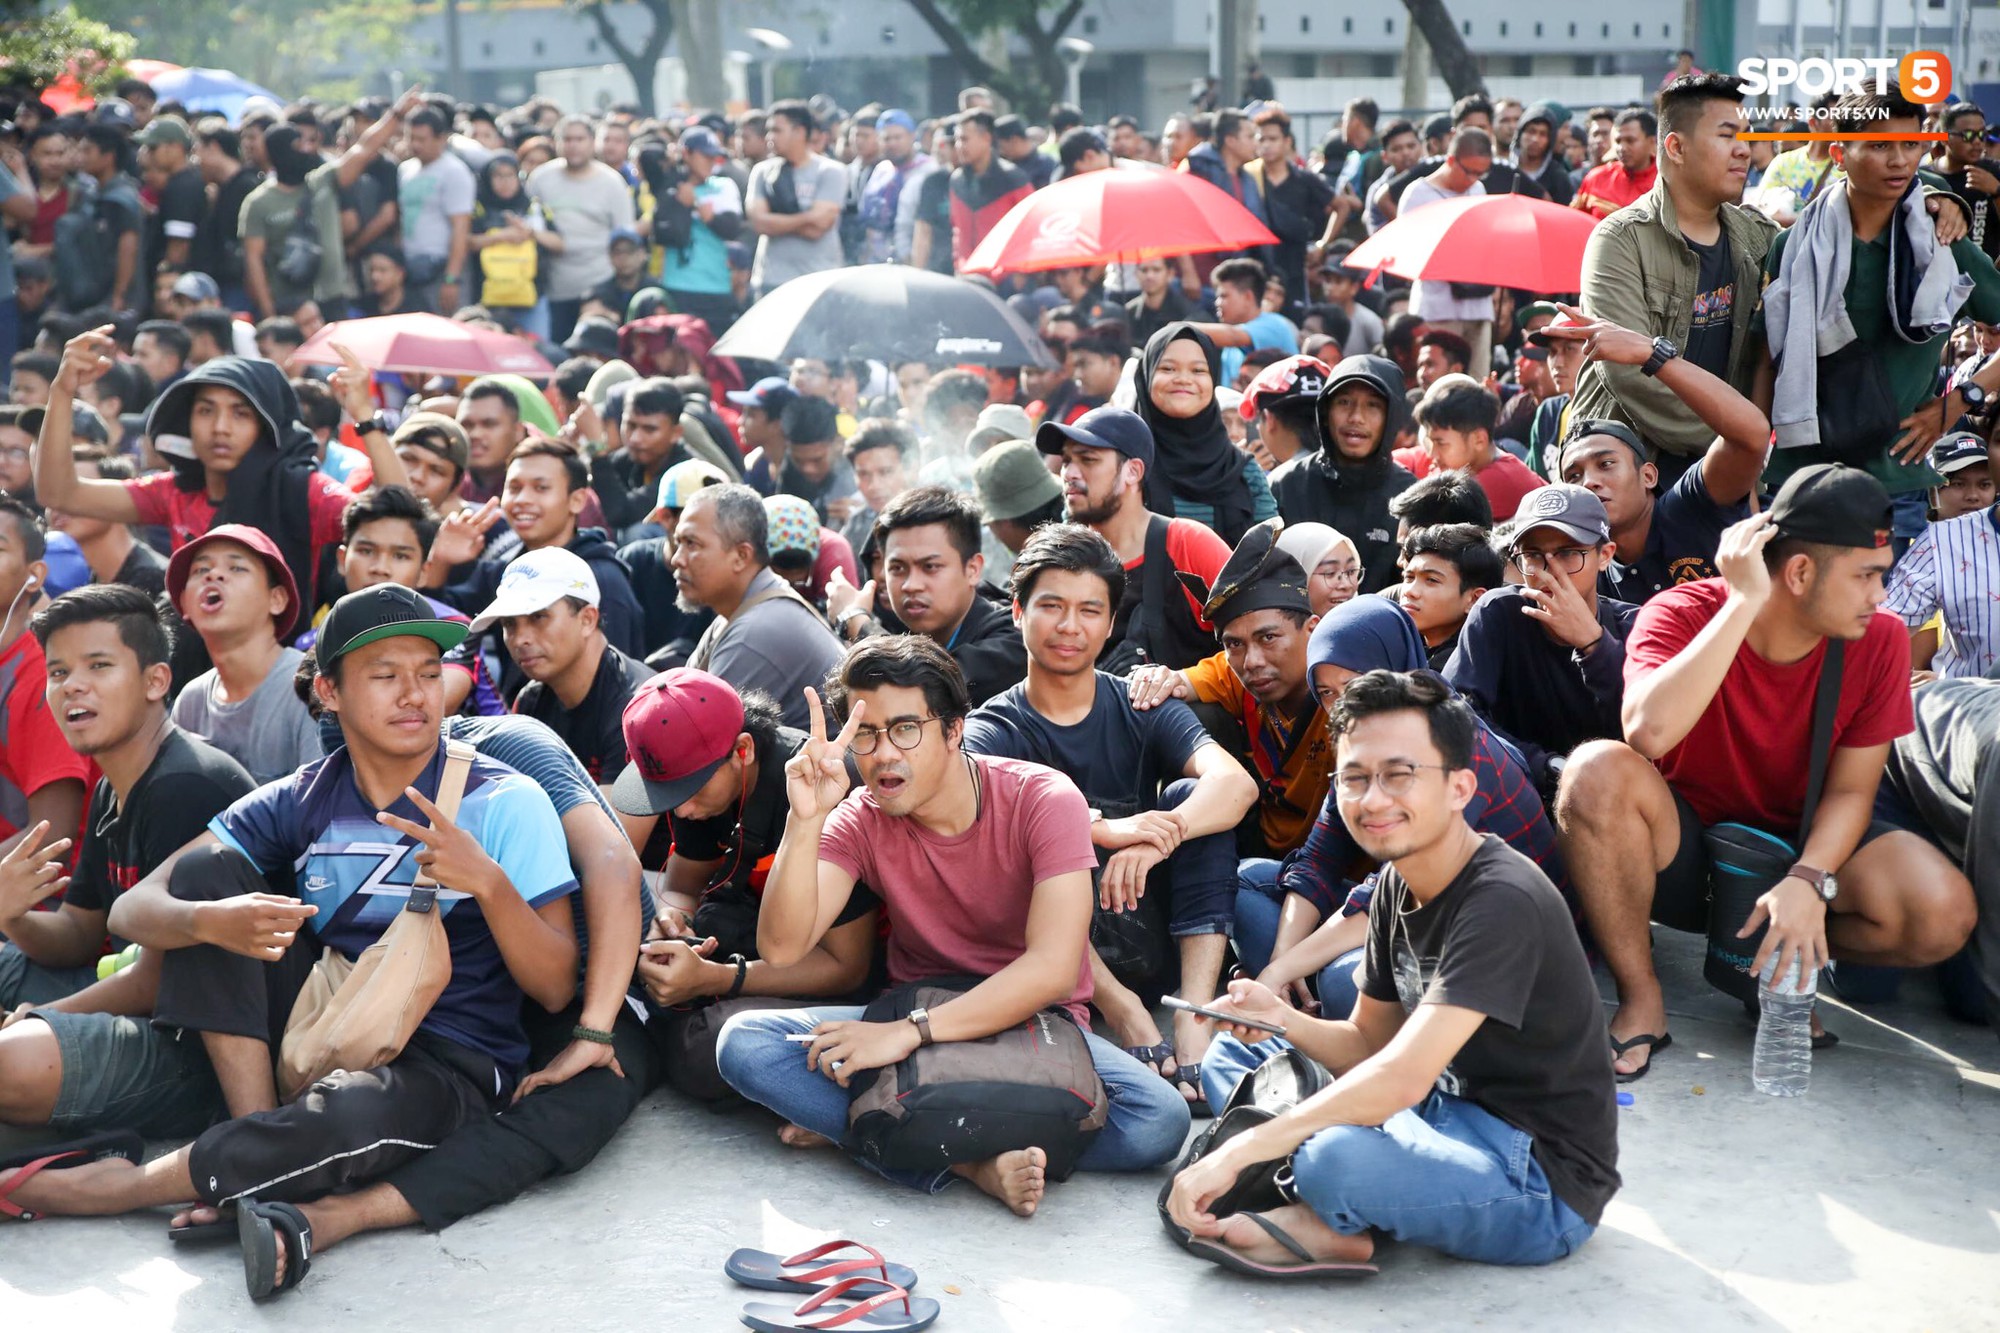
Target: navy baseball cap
(701,139)
(1100,428)
(1956,451)
(771,393)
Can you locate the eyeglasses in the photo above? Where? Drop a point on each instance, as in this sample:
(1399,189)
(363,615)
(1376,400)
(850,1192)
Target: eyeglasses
(1569,559)
(14,453)
(905,735)
(1347,573)
(1395,780)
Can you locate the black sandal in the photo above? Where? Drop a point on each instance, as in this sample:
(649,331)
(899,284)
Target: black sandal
(262,1228)
(1656,1041)
(1189,1077)
(1236,1262)
(194,1235)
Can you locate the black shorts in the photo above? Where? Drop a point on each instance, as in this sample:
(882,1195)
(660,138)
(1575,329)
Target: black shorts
(1681,891)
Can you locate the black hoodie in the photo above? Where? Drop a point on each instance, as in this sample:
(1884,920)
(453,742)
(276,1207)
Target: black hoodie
(1319,486)
(270,487)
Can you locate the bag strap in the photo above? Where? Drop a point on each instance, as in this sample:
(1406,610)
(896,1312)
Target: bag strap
(458,757)
(1826,702)
(1156,572)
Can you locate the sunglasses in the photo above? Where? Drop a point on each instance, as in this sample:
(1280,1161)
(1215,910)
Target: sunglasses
(1991,136)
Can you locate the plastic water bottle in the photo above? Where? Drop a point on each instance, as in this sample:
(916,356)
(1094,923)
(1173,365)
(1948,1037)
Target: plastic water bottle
(1782,1063)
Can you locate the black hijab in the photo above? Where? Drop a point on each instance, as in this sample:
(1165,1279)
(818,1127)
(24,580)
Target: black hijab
(490,202)
(1193,458)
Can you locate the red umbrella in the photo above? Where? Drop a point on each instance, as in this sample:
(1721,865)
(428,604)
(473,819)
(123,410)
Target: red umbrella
(425,344)
(1116,216)
(1504,240)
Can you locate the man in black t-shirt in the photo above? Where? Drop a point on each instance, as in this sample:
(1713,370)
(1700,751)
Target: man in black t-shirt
(1666,536)
(1475,1109)
(1167,798)
(167,146)
(708,775)
(578,683)
(86,1048)
(1971,171)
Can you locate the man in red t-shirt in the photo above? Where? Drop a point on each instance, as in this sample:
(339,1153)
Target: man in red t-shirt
(41,778)
(1720,679)
(1456,420)
(983,867)
(1106,454)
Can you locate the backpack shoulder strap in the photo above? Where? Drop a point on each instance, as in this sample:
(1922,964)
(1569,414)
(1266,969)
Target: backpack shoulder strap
(1826,703)
(1156,569)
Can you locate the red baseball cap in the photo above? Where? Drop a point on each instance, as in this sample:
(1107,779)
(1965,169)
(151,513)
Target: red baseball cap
(679,728)
(1294,377)
(256,539)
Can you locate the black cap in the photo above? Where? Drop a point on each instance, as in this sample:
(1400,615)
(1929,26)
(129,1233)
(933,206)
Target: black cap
(1835,505)
(1955,452)
(1258,576)
(382,612)
(1617,430)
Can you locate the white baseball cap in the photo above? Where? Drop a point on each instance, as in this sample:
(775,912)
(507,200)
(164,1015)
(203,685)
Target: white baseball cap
(537,581)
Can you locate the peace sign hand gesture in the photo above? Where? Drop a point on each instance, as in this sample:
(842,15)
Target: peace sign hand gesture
(816,777)
(451,857)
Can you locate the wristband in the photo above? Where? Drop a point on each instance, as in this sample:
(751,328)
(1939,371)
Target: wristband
(742,970)
(595,1036)
(378,422)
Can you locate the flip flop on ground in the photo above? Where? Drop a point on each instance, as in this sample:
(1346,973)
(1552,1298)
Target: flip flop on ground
(22,1167)
(856,1305)
(767,1272)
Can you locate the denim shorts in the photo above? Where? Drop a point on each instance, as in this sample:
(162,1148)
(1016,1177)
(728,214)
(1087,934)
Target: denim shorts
(124,1073)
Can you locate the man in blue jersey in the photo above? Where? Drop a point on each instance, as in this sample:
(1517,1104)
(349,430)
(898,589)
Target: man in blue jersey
(355,828)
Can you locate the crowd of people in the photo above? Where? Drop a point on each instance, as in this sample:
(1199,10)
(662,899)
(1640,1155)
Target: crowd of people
(1361,661)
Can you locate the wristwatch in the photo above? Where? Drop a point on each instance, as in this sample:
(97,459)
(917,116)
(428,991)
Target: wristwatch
(1663,352)
(1822,881)
(1975,397)
(378,422)
(922,1018)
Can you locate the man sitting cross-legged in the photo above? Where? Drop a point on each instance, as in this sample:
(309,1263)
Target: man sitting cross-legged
(1168,797)
(1472,1108)
(983,867)
(237,957)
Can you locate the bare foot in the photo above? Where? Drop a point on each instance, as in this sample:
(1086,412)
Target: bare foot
(201,1215)
(798,1136)
(1634,1019)
(1325,1244)
(1015,1178)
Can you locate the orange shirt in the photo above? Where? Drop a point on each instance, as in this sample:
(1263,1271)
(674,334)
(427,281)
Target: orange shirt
(1291,786)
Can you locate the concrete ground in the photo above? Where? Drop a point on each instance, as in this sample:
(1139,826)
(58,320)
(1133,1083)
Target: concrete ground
(1873,1203)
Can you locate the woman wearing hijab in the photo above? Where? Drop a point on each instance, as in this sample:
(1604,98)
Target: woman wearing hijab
(507,232)
(1309,917)
(1198,473)
(1330,559)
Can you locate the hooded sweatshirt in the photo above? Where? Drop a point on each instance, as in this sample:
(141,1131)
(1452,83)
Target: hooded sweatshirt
(623,622)
(1319,486)
(276,486)
(1374,634)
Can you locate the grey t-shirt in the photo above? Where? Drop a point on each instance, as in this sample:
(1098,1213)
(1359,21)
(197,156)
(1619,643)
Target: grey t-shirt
(782,258)
(779,646)
(585,211)
(431,196)
(270,733)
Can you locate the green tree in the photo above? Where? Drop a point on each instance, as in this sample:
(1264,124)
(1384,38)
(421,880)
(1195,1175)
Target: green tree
(42,47)
(960,24)
(285,45)
(642,59)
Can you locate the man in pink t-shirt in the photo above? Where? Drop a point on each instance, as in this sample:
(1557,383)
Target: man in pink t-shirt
(1721,676)
(983,867)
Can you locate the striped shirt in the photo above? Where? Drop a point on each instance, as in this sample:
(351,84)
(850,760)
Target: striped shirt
(1954,568)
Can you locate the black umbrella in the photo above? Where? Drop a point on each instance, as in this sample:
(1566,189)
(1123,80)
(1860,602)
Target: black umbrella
(887,311)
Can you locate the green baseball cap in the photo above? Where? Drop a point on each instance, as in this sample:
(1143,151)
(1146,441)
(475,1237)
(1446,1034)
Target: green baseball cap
(382,612)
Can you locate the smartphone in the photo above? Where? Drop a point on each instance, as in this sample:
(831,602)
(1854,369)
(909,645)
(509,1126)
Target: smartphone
(1176,1002)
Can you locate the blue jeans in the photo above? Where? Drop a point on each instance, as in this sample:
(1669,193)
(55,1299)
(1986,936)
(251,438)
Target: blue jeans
(1259,902)
(1444,1174)
(1147,1126)
(1909,515)
(1201,874)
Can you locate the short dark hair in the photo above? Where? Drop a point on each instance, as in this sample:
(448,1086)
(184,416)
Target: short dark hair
(34,542)
(214,134)
(127,383)
(1472,104)
(1599,113)
(105,139)
(922,506)
(903,661)
(1068,548)
(1469,141)
(1225,125)
(1365,110)
(1122,121)
(796,111)
(954,388)
(1465,546)
(809,421)
(137,616)
(979,116)
(387,502)
(575,470)
(1454,345)
(1682,101)
(1461,407)
(1400,331)
(281,329)
(169,333)
(1243,272)
(110,466)
(497,391)
(1444,497)
(1865,109)
(881,433)
(1957,111)
(1644,119)
(1064,116)
(1783,549)
(318,408)
(655,397)
(1401,125)
(1453,726)
(573,375)
(429,118)
(42,364)
(1273,114)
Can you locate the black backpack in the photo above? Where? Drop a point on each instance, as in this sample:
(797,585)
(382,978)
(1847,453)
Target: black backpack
(86,246)
(299,257)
